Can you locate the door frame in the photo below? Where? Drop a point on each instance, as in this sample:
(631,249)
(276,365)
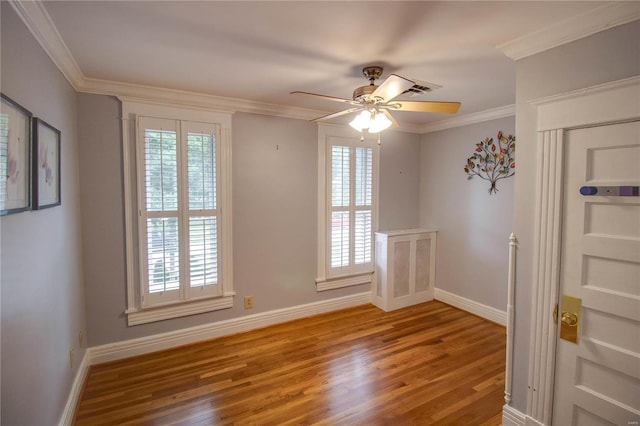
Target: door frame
(556,115)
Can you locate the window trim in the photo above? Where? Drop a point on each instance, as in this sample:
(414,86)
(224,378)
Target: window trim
(131,109)
(326,281)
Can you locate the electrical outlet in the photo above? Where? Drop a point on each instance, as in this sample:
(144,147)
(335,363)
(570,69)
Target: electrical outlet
(248,302)
(71,358)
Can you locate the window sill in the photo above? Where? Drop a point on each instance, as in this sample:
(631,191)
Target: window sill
(324,284)
(144,316)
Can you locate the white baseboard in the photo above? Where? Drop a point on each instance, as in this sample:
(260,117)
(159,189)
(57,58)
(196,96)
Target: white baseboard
(143,345)
(512,417)
(74,394)
(484,311)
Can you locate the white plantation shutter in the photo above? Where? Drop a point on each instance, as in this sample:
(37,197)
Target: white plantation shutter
(363,232)
(202,166)
(340,174)
(362,237)
(340,195)
(161,169)
(201,153)
(4,146)
(161,194)
(159,222)
(163,254)
(339,239)
(364,176)
(203,250)
(178,214)
(350,209)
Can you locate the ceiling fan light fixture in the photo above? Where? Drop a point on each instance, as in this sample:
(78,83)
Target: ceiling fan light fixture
(373,103)
(379,123)
(362,121)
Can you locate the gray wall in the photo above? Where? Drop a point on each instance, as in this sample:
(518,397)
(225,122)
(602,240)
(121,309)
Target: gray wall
(399,181)
(41,274)
(274,214)
(607,56)
(473,226)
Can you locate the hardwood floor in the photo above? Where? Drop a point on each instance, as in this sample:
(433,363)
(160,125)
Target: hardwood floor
(429,364)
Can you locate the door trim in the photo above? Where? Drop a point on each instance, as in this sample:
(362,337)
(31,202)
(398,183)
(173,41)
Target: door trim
(556,114)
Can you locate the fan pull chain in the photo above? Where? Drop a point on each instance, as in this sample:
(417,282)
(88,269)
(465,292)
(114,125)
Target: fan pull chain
(379,143)
(362,136)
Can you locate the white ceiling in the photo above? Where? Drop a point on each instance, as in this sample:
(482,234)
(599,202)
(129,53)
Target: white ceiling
(260,51)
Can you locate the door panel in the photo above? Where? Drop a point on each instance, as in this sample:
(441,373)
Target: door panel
(597,380)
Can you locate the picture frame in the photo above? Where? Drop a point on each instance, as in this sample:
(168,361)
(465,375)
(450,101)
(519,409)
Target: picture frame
(46,187)
(15,156)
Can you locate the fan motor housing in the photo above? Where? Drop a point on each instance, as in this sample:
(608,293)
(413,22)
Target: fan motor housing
(363,92)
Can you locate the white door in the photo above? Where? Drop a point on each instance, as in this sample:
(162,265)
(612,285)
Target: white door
(597,380)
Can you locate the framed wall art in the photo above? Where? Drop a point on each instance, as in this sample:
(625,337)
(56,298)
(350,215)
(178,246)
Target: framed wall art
(15,157)
(46,165)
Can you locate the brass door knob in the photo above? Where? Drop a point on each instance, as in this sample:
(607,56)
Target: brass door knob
(569,319)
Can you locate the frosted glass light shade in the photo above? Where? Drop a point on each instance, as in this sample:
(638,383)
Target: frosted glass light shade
(362,121)
(379,123)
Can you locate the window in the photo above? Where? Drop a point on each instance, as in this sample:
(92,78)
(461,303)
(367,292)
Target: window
(181,256)
(347,208)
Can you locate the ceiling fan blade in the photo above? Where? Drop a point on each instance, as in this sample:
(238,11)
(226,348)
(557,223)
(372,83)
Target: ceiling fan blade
(325,97)
(337,114)
(428,106)
(393,121)
(393,86)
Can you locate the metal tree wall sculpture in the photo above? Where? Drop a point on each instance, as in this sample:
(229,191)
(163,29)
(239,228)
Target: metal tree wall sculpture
(493,160)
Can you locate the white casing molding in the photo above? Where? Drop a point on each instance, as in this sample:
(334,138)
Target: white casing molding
(157,342)
(546,274)
(588,23)
(327,132)
(484,311)
(606,103)
(131,109)
(332,284)
(558,111)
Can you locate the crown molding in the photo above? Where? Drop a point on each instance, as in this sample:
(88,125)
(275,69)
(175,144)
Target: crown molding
(410,128)
(583,25)
(476,117)
(37,19)
(39,23)
(184,98)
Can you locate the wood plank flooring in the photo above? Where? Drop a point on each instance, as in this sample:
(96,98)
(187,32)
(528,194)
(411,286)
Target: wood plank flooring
(429,364)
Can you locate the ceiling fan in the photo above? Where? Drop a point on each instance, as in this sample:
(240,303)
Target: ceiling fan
(375,102)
